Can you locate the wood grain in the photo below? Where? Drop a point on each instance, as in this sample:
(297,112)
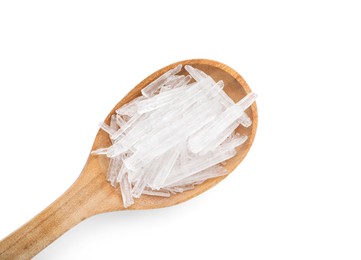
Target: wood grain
(91,194)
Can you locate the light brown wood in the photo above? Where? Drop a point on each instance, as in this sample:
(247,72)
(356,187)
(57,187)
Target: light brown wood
(91,194)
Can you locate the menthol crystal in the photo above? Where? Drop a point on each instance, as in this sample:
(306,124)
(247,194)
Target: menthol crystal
(176,135)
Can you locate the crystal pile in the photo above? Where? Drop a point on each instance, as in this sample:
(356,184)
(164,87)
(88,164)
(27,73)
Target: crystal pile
(174,136)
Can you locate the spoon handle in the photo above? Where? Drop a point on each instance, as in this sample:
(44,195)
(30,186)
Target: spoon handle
(85,198)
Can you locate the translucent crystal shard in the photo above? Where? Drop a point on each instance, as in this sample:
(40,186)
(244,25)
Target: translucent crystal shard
(125,127)
(113,123)
(179,189)
(119,121)
(234,141)
(130,108)
(167,164)
(125,188)
(199,164)
(115,150)
(212,131)
(215,132)
(175,136)
(176,82)
(247,101)
(156,193)
(106,128)
(160,100)
(100,151)
(197,74)
(152,88)
(202,176)
(139,186)
(115,166)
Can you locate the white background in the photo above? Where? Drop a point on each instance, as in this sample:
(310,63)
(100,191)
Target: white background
(65,64)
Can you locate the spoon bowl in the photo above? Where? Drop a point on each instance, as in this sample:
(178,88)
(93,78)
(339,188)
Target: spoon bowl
(91,194)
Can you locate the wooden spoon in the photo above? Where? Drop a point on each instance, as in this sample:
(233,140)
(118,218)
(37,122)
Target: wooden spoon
(91,194)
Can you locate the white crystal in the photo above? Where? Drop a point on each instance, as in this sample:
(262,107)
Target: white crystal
(216,131)
(175,136)
(199,164)
(152,88)
(168,160)
(120,121)
(115,166)
(106,128)
(197,74)
(176,82)
(156,193)
(125,188)
(130,108)
(100,151)
(212,172)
